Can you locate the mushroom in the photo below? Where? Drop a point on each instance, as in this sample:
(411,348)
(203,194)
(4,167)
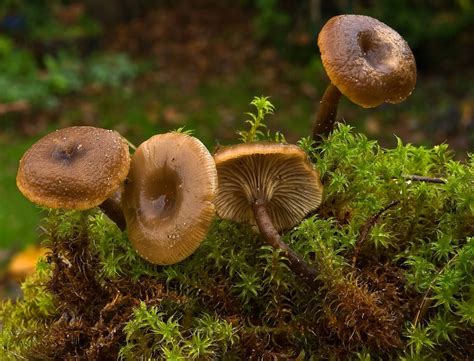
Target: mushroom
(272,185)
(168,197)
(367,61)
(74,168)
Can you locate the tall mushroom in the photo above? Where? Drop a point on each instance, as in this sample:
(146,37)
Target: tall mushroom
(367,61)
(74,168)
(168,197)
(272,185)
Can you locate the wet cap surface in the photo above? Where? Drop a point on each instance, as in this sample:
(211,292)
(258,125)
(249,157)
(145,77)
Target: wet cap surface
(168,197)
(279,174)
(369,62)
(74,168)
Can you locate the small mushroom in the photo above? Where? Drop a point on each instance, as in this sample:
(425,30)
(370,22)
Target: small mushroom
(74,168)
(367,61)
(272,185)
(168,197)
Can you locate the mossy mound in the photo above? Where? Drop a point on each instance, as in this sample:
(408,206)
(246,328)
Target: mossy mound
(395,258)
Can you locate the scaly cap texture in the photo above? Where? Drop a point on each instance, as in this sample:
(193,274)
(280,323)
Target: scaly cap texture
(369,62)
(74,168)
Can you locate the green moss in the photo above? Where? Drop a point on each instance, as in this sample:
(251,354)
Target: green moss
(24,321)
(395,281)
(156,333)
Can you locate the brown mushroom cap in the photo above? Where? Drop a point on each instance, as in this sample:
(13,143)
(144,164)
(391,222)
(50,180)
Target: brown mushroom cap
(369,62)
(74,168)
(279,174)
(168,197)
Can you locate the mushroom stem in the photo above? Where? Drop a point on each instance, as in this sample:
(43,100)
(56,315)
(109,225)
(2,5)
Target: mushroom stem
(273,238)
(326,116)
(112,208)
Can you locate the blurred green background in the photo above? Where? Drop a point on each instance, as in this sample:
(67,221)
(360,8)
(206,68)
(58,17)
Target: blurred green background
(144,67)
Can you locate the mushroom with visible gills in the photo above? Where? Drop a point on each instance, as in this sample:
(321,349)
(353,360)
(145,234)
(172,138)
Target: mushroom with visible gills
(74,168)
(168,197)
(367,61)
(272,185)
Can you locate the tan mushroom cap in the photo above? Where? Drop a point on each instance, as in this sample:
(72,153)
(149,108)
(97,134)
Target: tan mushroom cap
(168,197)
(369,62)
(279,174)
(74,168)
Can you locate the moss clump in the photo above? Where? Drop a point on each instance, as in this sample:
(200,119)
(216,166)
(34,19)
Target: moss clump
(395,259)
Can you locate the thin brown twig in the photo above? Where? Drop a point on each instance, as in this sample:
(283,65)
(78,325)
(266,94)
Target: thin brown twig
(419,178)
(365,229)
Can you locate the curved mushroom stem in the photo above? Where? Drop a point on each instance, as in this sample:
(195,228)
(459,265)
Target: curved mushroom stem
(273,238)
(326,116)
(112,207)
